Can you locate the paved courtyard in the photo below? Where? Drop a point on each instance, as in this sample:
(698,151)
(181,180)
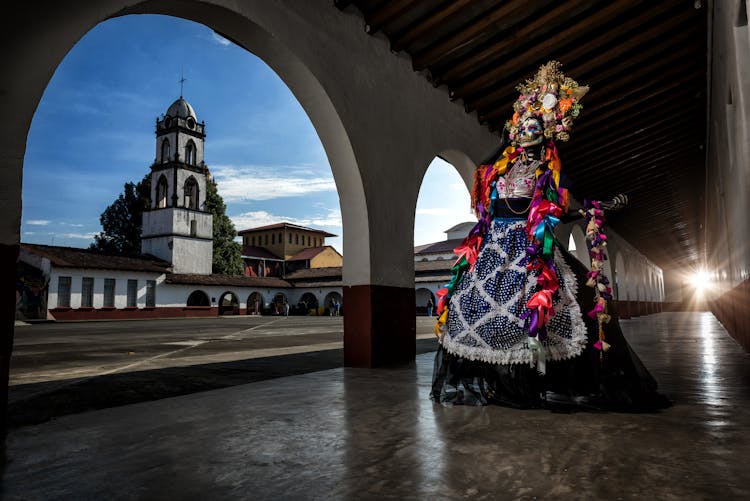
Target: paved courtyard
(373,434)
(64,368)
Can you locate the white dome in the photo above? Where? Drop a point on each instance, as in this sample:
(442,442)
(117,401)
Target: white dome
(182,109)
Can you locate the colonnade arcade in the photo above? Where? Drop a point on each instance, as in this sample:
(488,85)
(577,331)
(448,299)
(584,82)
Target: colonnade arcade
(380,124)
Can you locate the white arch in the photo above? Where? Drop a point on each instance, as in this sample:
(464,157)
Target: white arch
(581,252)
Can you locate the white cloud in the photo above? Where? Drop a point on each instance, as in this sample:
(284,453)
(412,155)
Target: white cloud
(81,236)
(245,183)
(38,222)
(29,233)
(220,39)
(254,219)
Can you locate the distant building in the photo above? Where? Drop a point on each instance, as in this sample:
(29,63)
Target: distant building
(278,249)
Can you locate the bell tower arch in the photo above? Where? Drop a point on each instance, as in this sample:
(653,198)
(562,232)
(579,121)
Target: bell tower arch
(177,227)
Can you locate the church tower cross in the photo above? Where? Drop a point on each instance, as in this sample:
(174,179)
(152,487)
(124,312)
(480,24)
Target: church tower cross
(182,81)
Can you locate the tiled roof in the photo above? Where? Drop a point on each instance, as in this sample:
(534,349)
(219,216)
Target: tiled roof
(227,280)
(333,272)
(442,247)
(465,227)
(291,226)
(258,252)
(310,253)
(71,257)
(430,266)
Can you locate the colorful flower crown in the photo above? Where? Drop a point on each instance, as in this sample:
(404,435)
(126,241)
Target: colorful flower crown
(550,96)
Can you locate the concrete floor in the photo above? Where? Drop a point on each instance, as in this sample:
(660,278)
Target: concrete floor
(373,434)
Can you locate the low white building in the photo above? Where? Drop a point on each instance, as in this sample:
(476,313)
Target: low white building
(86,285)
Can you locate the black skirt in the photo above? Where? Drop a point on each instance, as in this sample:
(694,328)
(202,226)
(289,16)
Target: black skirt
(618,382)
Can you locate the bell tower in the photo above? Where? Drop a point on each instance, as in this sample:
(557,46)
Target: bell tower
(177,227)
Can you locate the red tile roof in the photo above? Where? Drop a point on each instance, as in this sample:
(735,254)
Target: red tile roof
(72,257)
(333,273)
(310,253)
(290,226)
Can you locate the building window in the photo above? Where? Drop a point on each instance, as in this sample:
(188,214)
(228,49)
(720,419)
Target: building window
(165,151)
(253,242)
(273,238)
(150,293)
(281,238)
(109,292)
(193,227)
(191,193)
(87,292)
(161,192)
(290,238)
(132,293)
(63,292)
(308,240)
(296,239)
(266,238)
(190,153)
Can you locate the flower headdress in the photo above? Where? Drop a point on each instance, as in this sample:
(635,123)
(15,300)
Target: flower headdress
(551,97)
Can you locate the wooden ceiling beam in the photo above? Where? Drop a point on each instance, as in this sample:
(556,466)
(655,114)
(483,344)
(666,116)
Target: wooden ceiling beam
(654,58)
(651,36)
(473,30)
(630,27)
(665,46)
(431,22)
(650,77)
(480,59)
(643,106)
(386,13)
(636,156)
(624,137)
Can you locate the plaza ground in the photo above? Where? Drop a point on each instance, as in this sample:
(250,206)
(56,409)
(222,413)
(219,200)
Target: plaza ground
(345,433)
(64,368)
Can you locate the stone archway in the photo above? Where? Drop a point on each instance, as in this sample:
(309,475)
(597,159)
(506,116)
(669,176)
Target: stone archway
(254,304)
(423,297)
(331,300)
(308,304)
(229,304)
(198,298)
(299,41)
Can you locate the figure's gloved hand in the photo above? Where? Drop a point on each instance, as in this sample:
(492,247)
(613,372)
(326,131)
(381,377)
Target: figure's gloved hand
(618,203)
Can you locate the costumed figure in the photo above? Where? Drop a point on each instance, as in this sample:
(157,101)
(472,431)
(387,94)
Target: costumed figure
(523,323)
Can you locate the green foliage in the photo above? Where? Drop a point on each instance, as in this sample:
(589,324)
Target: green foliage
(122,224)
(227,252)
(122,221)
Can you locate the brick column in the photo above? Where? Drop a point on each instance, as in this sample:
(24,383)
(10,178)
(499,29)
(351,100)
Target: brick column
(379,325)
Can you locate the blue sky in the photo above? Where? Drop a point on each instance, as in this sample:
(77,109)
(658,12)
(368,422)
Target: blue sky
(94,130)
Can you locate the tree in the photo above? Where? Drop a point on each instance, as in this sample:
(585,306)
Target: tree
(227,252)
(122,224)
(122,221)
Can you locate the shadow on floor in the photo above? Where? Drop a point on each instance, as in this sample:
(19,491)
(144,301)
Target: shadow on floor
(36,403)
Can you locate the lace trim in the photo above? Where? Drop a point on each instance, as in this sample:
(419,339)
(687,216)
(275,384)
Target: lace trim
(557,347)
